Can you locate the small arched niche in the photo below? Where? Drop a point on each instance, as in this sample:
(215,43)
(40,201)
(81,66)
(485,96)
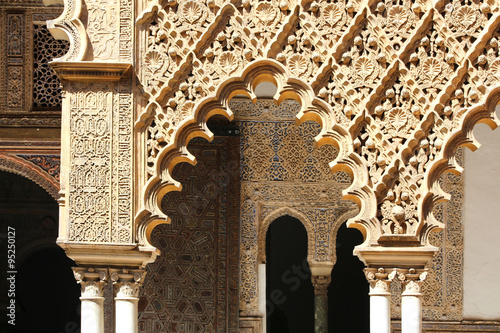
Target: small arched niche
(289,291)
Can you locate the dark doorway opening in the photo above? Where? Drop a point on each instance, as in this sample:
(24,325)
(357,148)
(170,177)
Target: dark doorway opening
(348,300)
(45,292)
(289,291)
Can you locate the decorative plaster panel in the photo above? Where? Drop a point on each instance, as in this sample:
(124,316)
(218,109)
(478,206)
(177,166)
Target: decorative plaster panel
(443,289)
(396,86)
(100,188)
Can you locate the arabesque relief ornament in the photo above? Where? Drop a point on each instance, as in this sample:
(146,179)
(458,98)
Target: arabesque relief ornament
(396,85)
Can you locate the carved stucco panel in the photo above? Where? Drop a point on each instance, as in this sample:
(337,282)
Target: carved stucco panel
(443,290)
(103,28)
(91,162)
(403,82)
(283,173)
(100,171)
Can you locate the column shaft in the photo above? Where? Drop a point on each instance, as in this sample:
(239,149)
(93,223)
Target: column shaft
(411,300)
(321,283)
(127,315)
(411,314)
(92,315)
(320,313)
(92,282)
(380,299)
(380,314)
(127,283)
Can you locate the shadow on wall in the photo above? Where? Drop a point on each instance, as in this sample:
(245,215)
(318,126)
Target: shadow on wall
(482,226)
(348,300)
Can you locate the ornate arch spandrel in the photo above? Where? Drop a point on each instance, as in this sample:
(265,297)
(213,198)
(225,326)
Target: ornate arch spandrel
(395,90)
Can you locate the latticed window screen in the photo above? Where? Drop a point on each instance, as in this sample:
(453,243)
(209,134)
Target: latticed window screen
(46,90)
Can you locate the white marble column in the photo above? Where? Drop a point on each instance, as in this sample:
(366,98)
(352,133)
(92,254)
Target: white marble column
(126,286)
(380,299)
(411,300)
(92,312)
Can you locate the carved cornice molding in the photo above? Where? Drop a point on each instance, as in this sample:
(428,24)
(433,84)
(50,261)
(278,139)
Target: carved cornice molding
(91,70)
(109,255)
(401,257)
(31,120)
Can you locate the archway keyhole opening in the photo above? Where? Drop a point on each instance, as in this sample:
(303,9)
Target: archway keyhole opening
(289,291)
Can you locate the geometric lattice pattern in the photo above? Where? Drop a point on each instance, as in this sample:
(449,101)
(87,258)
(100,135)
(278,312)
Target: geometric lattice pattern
(46,84)
(274,148)
(192,286)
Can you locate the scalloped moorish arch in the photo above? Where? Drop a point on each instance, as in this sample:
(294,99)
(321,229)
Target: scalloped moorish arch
(362,191)
(255,73)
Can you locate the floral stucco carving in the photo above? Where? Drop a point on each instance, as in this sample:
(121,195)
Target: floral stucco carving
(396,85)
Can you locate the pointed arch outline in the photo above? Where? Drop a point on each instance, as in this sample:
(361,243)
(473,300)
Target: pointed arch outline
(446,161)
(341,219)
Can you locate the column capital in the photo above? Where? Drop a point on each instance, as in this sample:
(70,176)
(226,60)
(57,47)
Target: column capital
(380,280)
(412,280)
(91,280)
(127,282)
(321,283)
